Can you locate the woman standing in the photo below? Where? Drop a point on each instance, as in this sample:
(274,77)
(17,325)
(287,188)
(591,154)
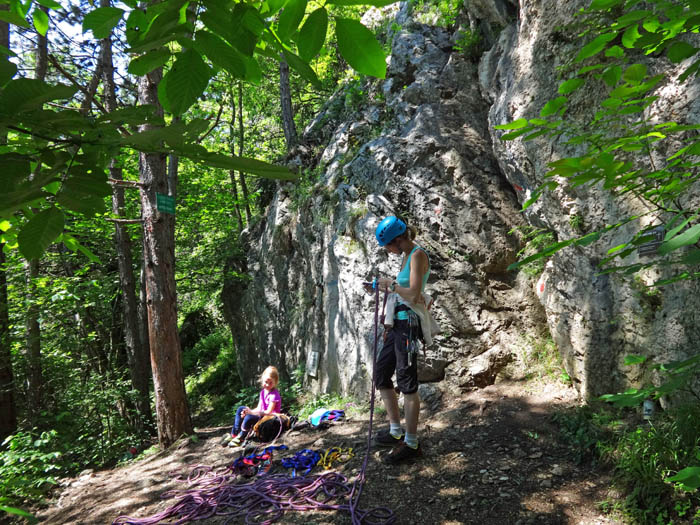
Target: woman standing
(400,341)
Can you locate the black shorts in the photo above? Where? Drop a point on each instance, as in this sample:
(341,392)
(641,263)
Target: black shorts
(394,357)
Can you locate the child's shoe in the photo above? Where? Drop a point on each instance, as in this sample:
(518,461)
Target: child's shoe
(235,441)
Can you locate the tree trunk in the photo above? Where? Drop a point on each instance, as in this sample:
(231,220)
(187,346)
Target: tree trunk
(136,353)
(290,131)
(241,137)
(8,409)
(33,330)
(159,259)
(232,173)
(33,343)
(8,412)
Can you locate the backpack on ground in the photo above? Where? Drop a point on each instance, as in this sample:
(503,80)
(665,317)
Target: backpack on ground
(271,426)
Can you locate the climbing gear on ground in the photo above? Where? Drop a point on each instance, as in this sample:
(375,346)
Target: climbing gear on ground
(303,460)
(256,463)
(335,455)
(390,228)
(385,439)
(402,452)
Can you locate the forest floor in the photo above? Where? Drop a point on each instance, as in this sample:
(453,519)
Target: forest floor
(491,456)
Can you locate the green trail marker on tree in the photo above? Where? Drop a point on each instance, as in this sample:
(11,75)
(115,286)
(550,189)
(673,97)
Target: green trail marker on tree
(165,203)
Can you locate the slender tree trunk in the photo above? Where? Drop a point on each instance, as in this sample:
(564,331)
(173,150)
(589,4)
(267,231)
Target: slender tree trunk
(33,330)
(8,408)
(290,131)
(136,352)
(33,343)
(8,411)
(232,173)
(241,137)
(159,259)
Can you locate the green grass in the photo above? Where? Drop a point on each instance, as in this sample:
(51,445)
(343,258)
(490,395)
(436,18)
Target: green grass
(642,456)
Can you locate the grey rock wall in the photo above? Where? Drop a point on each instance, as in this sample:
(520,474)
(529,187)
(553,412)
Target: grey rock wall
(423,145)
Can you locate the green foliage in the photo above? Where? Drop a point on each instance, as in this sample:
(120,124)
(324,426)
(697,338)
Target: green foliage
(211,375)
(30,464)
(468,43)
(645,457)
(441,13)
(619,137)
(535,239)
(642,458)
(588,431)
(540,357)
(676,376)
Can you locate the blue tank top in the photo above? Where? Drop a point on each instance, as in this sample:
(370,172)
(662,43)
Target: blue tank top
(404,279)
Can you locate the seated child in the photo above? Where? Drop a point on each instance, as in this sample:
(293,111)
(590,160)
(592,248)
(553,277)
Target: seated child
(269,402)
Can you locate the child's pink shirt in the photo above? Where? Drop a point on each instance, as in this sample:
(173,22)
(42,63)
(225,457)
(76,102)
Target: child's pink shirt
(271,398)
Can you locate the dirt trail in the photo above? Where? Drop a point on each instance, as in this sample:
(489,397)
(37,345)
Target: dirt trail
(491,457)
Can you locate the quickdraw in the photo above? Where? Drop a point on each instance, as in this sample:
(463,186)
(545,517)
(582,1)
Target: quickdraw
(335,454)
(303,460)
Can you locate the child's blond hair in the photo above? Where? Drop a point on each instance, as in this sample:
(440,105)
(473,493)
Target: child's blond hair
(272,373)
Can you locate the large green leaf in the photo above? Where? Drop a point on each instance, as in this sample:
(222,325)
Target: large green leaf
(41,21)
(26,93)
(246,165)
(516,124)
(13,18)
(688,478)
(570,85)
(688,237)
(15,167)
(595,46)
(41,230)
(274,6)
(88,205)
(360,48)
(136,25)
(73,244)
(552,106)
(679,51)
(302,68)
(604,4)
(7,71)
(102,20)
(146,63)
(290,18)
(184,82)
(635,73)
(221,54)
(313,34)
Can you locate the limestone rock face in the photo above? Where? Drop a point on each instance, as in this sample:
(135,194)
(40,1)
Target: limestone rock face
(422,145)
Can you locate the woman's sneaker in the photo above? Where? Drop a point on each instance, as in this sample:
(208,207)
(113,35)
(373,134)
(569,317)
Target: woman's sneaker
(403,452)
(235,441)
(225,440)
(385,439)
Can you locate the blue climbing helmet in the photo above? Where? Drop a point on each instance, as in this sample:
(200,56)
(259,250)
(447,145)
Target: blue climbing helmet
(389,229)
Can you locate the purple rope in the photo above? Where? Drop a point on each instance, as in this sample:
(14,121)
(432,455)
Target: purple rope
(356,514)
(262,501)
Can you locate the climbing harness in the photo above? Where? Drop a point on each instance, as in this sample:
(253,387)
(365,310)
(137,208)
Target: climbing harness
(255,463)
